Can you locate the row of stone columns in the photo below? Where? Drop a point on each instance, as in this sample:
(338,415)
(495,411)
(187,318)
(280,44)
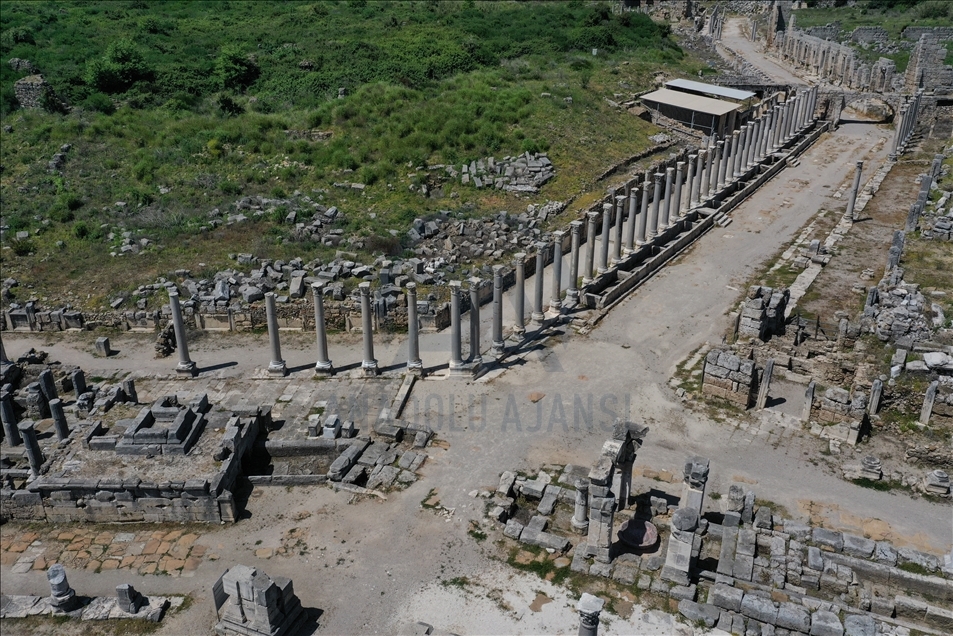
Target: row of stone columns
(906,123)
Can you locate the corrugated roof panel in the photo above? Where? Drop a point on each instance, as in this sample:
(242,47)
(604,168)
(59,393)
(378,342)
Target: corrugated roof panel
(711,89)
(692,102)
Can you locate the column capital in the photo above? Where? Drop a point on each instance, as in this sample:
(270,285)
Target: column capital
(520,257)
(558,234)
(860,165)
(540,246)
(365,288)
(659,176)
(411,287)
(317,285)
(575,227)
(475,282)
(592,216)
(455,287)
(497,270)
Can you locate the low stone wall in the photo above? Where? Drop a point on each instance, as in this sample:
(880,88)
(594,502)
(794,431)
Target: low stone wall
(763,313)
(729,377)
(915,32)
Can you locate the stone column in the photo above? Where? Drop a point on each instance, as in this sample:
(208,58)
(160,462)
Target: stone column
(277,366)
(750,147)
(79,382)
(619,219)
(656,200)
(717,166)
(31,445)
(575,228)
(580,518)
(731,166)
(776,129)
(876,390)
(603,266)
(704,172)
(9,419)
(369,364)
(765,145)
(631,221)
(414,364)
(692,198)
(62,596)
(929,398)
(898,133)
(556,303)
(538,316)
(589,608)
(59,419)
(667,202)
(475,356)
(129,388)
(185,366)
(48,385)
(679,183)
(765,384)
(323,365)
(499,346)
(588,276)
(854,191)
(520,294)
(789,128)
(456,348)
(643,209)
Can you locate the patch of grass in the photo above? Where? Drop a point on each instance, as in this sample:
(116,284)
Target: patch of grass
(458,581)
(542,569)
(430,495)
(881,485)
(914,568)
(478,535)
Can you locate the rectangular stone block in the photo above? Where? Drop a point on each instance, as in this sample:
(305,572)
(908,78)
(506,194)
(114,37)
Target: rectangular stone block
(726,597)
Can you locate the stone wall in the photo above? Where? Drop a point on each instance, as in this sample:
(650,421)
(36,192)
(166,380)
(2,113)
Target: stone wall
(916,32)
(870,34)
(763,312)
(926,68)
(33,92)
(728,376)
(826,32)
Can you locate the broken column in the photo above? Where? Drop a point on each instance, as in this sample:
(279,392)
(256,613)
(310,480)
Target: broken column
(854,191)
(575,228)
(414,363)
(537,316)
(589,608)
(456,348)
(498,344)
(62,596)
(59,419)
(520,293)
(556,302)
(683,544)
(928,399)
(48,385)
(32,445)
(602,504)
(475,358)
(580,518)
(369,364)
(79,382)
(323,365)
(876,390)
(603,266)
(129,388)
(765,384)
(9,419)
(277,366)
(37,406)
(185,366)
(129,600)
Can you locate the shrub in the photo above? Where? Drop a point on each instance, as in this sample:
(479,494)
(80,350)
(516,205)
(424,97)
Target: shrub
(122,66)
(234,71)
(80,230)
(100,103)
(229,106)
(22,247)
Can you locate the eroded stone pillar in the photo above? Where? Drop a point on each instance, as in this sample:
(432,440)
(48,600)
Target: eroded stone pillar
(9,419)
(603,266)
(898,133)
(369,364)
(414,364)
(619,221)
(854,191)
(538,316)
(580,518)
(59,419)
(499,345)
(692,199)
(679,183)
(749,156)
(62,596)
(556,302)
(631,221)
(519,292)
(475,357)
(717,167)
(704,170)
(656,200)
(323,365)
(277,365)
(590,248)
(79,382)
(667,202)
(185,366)
(731,166)
(575,228)
(456,347)
(589,608)
(32,445)
(48,385)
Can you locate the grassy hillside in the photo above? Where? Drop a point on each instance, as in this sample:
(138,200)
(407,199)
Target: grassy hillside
(177,108)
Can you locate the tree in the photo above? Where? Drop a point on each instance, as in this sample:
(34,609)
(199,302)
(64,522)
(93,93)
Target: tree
(122,66)
(234,71)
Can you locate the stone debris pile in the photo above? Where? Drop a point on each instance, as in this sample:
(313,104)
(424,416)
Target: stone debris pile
(763,313)
(527,172)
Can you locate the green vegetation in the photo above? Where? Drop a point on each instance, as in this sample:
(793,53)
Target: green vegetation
(875,484)
(182,107)
(915,568)
(458,581)
(892,15)
(542,568)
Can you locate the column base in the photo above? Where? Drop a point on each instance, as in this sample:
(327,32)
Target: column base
(324,369)
(461,369)
(416,368)
(580,527)
(369,369)
(538,317)
(572,294)
(586,281)
(498,349)
(519,331)
(892,156)
(278,368)
(186,368)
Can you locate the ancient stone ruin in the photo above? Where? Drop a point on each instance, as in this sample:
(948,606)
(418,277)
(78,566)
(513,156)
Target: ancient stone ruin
(248,602)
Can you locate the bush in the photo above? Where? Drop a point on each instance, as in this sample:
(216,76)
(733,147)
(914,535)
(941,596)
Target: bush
(234,71)
(100,103)
(22,247)
(121,67)
(80,230)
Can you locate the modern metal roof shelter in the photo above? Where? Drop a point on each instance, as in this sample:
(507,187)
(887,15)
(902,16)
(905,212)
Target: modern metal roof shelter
(694,111)
(700,88)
